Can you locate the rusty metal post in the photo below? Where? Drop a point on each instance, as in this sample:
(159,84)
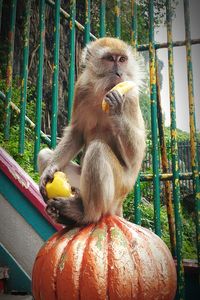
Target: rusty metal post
(165,166)
(192,120)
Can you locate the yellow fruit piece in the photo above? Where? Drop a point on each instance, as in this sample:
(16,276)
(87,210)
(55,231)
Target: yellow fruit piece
(122,88)
(59,187)
(105,106)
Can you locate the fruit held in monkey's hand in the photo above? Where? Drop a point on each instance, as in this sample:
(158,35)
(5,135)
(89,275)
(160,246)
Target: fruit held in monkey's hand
(59,187)
(122,88)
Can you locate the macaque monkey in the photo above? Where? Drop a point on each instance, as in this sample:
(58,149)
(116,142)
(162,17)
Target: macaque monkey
(113,143)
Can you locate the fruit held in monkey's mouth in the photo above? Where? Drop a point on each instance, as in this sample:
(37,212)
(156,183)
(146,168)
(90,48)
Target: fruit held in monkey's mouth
(122,88)
(59,187)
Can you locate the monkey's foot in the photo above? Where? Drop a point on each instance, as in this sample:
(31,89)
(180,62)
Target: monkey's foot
(66,211)
(53,210)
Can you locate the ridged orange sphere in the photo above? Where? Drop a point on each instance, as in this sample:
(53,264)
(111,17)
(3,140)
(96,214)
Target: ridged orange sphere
(113,260)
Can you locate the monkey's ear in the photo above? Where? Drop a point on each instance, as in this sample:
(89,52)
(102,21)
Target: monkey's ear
(85,56)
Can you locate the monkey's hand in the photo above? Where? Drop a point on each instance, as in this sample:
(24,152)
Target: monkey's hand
(47,176)
(115,101)
(66,211)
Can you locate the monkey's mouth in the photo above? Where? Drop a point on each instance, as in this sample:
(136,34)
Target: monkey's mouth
(114,83)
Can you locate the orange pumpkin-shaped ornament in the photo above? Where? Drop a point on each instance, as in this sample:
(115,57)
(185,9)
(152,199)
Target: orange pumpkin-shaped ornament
(113,259)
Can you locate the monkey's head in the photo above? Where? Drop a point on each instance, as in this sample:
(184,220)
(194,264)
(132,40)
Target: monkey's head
(109,61)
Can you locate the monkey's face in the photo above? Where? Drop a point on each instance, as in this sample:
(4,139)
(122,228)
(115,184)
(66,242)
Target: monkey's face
(113,68)
(109,61)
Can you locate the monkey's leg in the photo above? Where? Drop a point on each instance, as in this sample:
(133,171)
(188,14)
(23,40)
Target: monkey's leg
(97,189)
(72,170)
(44,158)
(66,211)
(97,184)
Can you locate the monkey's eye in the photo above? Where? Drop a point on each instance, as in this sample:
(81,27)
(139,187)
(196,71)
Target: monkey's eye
(109,58)
(123,59)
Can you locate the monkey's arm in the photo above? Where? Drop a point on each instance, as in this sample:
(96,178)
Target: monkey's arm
(128,125)
(130,142)
(69,146)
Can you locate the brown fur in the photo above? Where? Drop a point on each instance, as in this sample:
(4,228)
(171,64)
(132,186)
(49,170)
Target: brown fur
(113,143)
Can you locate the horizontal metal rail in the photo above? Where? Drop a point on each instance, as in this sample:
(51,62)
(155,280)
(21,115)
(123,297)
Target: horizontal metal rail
(67,16)
(166,176)
(165,45)
(30,123)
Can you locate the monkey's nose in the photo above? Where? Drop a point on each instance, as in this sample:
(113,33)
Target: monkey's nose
(118,73)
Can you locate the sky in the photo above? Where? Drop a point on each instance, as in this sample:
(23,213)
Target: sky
(180,67)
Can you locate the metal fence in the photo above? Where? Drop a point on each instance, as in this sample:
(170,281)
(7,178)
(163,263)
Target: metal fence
(169,172)
(184,163)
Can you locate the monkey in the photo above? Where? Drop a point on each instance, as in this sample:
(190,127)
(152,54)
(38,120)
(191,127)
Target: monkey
(113,143)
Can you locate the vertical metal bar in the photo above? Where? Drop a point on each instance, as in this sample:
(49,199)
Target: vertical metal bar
(184,145)
(102,18)
(192,120)
(56,48)
(26,31)
(165,166)
(134,37)
(87,22)
(154,125)
(137,191)
(137,201)
(11,38)
(39,81)
(188,162)
(180,155)
(188,155)
(117,18)
(72,57)
(1,4)
(174,153)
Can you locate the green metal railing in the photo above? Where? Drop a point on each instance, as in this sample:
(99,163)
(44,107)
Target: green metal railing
(159,144)
(11,38)
(165,163)
(174,153)
(102,18)
(117,18)
(39,80)
(26,32)
(87,22)
(193,137)
(154,124)
(134,43)
(72,58)
(56,47)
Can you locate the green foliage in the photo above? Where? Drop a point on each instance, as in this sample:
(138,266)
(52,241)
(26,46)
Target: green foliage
(3,60)
(16,96)
(11,146)
(181,135)
(142,18)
